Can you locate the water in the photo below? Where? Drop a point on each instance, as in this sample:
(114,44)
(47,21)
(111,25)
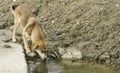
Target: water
(68,67)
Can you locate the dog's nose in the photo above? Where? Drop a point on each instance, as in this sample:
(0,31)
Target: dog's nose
(44,50)
(44,60)
(45,57)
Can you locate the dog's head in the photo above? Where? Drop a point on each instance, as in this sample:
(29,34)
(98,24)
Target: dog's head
(43,45)
(43,50)
(42,54)
(13,8)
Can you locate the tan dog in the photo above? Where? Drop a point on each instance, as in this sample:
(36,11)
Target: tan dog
(33,30)
(24,18)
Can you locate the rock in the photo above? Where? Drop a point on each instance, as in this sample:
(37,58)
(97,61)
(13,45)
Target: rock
(31,62)
(76,54)
(12,58)
(7,46)
(7,40)
(53,21)
(67,56)
(107,60)
(105,56)
(54,54)
(70,53)
(117,5)
(61,50)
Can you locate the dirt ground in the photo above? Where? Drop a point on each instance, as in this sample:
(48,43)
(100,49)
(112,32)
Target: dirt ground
(90,25)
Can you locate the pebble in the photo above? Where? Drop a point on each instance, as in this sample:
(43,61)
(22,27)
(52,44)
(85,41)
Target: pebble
(117,5)
(31,62)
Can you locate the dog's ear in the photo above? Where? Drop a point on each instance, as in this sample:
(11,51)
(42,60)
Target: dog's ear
(14,7)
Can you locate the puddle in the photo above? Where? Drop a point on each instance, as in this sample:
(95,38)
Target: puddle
(49,67)
(68,67)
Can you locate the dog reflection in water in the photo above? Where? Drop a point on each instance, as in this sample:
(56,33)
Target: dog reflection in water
(42,68)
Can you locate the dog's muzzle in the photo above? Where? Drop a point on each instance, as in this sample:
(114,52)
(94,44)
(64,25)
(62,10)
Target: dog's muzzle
(42,54)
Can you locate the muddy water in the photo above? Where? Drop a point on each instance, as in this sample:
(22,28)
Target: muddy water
(68,67)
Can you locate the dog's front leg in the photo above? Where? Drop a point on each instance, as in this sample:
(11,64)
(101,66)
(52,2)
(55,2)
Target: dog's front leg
(25,42)
(34,45)
(27,49)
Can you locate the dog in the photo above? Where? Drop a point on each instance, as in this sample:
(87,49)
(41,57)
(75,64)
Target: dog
(33,30)
(27,21)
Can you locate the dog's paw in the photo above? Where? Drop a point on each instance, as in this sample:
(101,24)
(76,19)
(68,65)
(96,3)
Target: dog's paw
(31,54)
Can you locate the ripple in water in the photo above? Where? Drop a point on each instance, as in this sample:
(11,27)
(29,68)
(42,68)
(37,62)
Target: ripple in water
(68,67)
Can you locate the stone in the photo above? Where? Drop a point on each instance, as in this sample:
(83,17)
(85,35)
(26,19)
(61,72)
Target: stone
(31,62)
(14,0)
(67,56)
(61,50)
(76,54)
(70,53)
(12,58)
(105,55)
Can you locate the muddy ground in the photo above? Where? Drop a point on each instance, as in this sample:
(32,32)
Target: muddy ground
(92,26)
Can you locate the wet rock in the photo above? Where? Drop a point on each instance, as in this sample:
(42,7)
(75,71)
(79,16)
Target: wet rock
(31,62)
(61,51)
(67,56)
(54,54)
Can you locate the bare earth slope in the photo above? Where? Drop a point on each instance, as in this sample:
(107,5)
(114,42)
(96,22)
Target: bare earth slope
(93,26)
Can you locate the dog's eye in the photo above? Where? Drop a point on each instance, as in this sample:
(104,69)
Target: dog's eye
(44,50)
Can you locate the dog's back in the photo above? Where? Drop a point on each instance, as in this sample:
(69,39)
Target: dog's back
(21,13)
(22,10)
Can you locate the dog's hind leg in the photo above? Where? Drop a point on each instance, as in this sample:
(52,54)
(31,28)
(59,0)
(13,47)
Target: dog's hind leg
(16,24)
